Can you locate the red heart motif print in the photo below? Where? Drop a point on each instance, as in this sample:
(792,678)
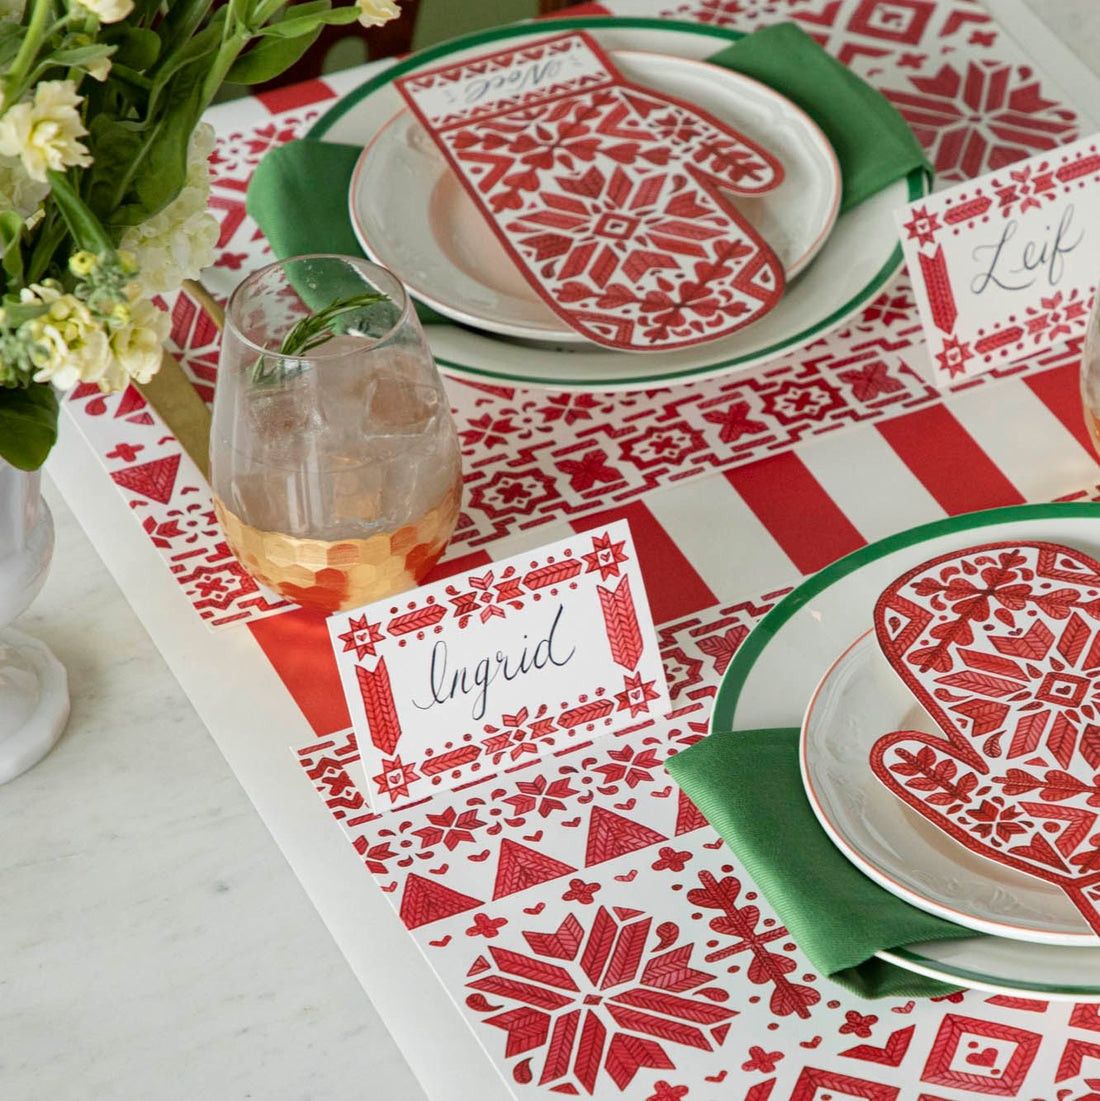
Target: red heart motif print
(606,194)
(1001,645)
(987,1057)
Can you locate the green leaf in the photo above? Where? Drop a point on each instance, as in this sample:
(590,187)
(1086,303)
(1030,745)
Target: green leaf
(11,240)
(147,11)
(303,24)
(28,425)
(81,55)
(183,19)
(140,165)
(268,57)
(161,171)
(138,47)
(115,147)
(83,224)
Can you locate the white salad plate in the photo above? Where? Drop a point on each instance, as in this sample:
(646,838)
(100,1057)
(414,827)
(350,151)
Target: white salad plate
(857,260)
(412,214)
(778,667)
(859,700)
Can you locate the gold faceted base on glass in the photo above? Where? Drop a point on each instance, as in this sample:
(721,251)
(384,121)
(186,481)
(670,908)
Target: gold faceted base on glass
(333,576)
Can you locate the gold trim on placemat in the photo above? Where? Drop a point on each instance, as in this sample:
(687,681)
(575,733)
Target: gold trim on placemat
(172,394)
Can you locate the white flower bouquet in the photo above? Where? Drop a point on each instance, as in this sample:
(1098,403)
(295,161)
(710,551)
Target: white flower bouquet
(104,182)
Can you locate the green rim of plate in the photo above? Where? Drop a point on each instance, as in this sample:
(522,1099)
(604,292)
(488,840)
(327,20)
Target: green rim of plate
(729,691)
(968,976)
(918,184)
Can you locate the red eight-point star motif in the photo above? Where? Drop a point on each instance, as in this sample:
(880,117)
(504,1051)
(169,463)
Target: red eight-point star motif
(605,556)
(395,777)
(636,695)
(922,226)
(361,637)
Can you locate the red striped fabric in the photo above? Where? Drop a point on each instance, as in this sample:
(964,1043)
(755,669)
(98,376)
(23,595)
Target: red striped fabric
(673,587)
(1060,391)
(297,645)
(800,516)
(295,95)
(955,470)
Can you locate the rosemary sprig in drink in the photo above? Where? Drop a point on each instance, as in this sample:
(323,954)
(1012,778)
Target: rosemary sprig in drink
(312,331)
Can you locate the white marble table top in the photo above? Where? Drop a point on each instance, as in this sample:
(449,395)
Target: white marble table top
(154,944)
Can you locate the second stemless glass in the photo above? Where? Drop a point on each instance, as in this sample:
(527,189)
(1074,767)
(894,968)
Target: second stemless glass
(336,471)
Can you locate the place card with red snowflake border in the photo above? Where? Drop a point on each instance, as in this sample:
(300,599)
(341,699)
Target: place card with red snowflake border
(606,194)
(487,671)
(1004,266)
(1001,646)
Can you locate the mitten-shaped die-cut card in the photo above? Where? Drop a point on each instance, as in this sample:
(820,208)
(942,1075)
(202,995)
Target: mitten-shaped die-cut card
(1001,645)
(605,194)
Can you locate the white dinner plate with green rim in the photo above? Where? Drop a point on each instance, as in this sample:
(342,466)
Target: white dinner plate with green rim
(774,673)
(859,258)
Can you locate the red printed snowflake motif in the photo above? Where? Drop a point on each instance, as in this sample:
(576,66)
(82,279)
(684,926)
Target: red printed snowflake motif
(981,119)
(1024,188)
(450,827)
(1057,317)
(617,999)
(513,738)
(479,599)
(996,822)
(632,767)
(538,795)
(1064,711)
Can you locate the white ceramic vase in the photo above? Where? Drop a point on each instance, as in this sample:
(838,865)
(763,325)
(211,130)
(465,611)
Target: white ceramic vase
(34,693)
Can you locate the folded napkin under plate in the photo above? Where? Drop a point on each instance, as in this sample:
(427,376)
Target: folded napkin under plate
(748,785)
(874,146)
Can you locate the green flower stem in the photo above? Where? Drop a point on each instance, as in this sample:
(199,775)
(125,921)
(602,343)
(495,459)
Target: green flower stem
(49,240)
(82,223)
(231,46)
(37,31)
(265,10)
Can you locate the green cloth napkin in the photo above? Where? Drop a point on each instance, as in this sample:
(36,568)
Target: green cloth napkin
(749,787)
(873,143)
(298,193)
(298,196)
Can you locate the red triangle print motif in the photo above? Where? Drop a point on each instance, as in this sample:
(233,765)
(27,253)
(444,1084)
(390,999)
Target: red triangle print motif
(131,402)
(688,816)
(154,480)
(424,902)
(611,835)
(520,867)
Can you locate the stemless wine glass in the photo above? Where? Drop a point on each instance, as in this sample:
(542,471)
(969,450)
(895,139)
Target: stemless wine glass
(335,467)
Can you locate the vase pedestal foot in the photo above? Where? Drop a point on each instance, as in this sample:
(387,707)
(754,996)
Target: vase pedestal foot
(34,702)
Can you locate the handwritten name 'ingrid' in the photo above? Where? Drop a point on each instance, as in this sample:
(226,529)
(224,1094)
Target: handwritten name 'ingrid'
(446,684)
(1014,265)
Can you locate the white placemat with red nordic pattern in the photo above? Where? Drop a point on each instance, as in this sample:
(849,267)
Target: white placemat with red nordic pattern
(593,934)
